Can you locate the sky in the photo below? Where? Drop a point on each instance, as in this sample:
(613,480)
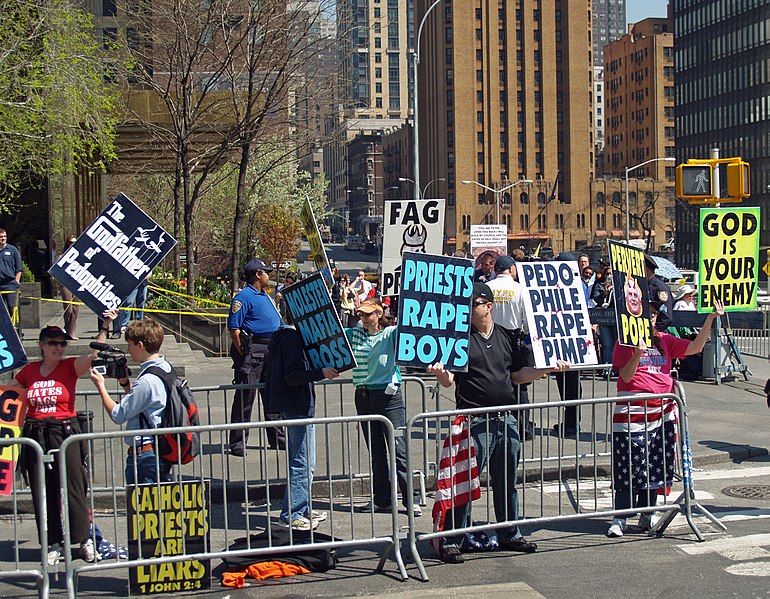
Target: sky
(636,10)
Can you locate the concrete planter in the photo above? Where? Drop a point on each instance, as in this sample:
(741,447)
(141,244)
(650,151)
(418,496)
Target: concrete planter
(29,309)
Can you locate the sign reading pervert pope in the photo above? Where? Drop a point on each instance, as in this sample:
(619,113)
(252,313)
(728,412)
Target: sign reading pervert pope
(729,258)
(318,324)
(409,226)
(632,298)
(114,254)
(434,317)
(557,313)
(166,520)
(313,234)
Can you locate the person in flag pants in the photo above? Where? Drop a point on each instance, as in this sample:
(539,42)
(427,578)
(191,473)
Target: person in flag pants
(497,359)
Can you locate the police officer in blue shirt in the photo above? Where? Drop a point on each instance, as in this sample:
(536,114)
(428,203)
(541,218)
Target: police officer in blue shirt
(252,321)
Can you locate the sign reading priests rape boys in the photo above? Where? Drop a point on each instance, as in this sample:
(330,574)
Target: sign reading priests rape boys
(632,298)
(557,313)
(318,324)
(434,317)
(114,254)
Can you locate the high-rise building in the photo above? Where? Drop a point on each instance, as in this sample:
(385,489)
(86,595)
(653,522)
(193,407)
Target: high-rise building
(722,90)
(506,95)
(609,24)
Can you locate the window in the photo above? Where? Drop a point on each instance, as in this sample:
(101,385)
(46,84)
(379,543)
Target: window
(524,197)
(480,157)
(109,8)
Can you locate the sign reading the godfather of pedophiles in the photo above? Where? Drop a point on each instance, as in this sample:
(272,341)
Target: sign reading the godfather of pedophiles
(117,251)
(434,316)
(12,354)
(317,322)
(557,313)
(632,299)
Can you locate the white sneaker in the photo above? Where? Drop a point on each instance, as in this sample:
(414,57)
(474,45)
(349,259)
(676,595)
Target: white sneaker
(416,510)
(88,552)
(300,524)
(648,521)
(55,555)
(617,528)
(319,516)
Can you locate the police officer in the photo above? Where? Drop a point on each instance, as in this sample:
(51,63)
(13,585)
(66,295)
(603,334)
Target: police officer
(252,321)
(10,271)
(660,292)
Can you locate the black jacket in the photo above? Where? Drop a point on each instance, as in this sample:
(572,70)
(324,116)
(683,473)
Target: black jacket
(288,376)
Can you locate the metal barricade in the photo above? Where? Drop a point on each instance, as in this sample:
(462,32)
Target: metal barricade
(22,568)
(576,486)
(244,501)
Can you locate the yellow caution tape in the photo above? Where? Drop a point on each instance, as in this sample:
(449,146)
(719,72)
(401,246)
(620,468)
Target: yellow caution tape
(152,310)
(197,299)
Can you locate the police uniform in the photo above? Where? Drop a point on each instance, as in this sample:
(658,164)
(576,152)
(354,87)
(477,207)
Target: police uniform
(659,291)
(253,313)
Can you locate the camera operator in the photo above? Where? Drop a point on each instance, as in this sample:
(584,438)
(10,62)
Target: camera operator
(141,408)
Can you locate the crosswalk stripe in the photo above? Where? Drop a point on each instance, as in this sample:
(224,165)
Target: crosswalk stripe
(749,569)
(706,475)
(728,544)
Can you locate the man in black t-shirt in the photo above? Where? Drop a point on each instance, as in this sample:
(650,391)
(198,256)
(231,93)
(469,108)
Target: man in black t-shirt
(497,359)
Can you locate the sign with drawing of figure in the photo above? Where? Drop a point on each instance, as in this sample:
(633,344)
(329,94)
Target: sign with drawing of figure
(632,304)
(115,253)
(409,226)
(488,239)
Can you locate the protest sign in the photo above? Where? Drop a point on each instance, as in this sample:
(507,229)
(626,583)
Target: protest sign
(12,354)
(488,239)
(165,520)
(729,258)
(117,251)
(410,226)
(13,408)
(632,301)
(310,226)
(319,325)
(434,317)
(557,313)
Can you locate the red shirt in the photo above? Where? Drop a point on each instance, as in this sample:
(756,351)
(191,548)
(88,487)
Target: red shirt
(52,396)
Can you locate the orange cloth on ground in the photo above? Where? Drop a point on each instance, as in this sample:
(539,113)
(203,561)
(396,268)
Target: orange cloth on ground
(262,571)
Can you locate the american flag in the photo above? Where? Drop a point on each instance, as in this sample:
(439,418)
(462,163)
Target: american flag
(650,462)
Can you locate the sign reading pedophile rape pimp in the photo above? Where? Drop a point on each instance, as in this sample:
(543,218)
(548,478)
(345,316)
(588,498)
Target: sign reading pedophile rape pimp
(318,324)
(114,254)
(434,316)
(632,298)
(557,313)
(409,226)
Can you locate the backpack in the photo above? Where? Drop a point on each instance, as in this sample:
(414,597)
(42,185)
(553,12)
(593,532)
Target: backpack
(180,411)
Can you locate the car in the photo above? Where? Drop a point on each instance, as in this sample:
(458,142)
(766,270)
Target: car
(371,248)
(354,243)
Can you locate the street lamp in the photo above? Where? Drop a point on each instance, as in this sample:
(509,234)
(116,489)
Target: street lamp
(415,137)
(497,192)
(424,189)
(628,170)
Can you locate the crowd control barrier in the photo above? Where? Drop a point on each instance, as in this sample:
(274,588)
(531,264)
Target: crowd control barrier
(172,530)
(556,488)
(21,556)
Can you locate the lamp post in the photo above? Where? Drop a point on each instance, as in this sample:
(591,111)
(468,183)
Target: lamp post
(498,192)
(632,168)
(416,136)
(424,189)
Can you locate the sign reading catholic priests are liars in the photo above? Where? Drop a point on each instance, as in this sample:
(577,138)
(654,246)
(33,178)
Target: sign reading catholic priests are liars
(114,254)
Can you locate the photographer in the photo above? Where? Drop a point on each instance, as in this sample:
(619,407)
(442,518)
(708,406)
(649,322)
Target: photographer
(142,406)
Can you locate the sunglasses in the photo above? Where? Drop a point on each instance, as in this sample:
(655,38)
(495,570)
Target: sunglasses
(56,343)
(481,303)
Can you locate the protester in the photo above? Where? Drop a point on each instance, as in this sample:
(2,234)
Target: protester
(252,321)
(588,278)
(71,308)
(684,299)
(497,359)
(486,271)
(10,271)
(51,418)
(124,316)
(289,391)
(348,298)
(604,296)
(142,406)
(141,298)
(288,281)
(361,286)
(644,432)
(659,292)
(377,380)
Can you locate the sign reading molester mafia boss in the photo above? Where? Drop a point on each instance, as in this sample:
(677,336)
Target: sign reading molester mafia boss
(434,317)
(318,324)
(117,251)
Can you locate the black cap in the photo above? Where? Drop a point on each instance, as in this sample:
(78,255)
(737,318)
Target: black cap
(255,265)
(53,331)
(649,262)
(483,291)
(504,263)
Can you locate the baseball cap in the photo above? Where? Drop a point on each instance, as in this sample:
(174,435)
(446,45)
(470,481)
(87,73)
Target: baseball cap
(255,265)
(483,291)
(503,263)
(368,307)
(53,331)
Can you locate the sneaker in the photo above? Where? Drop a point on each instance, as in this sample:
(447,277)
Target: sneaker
(519,544)
(648,521)
(617,528)
(55,555)
(416,510)
(318,516)
(300,523)
(88,552)
(452,555)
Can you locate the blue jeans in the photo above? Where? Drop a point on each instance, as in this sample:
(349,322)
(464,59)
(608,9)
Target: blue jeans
(498,444)
(121,322)
(607,336)
(146,468)
(300,445)
(141,300)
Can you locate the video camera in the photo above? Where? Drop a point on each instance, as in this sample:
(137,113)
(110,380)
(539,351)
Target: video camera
(112,361)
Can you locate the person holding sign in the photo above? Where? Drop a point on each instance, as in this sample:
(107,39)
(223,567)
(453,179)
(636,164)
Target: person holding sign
(643,432)
(497,359)
(378,391)
(51,418)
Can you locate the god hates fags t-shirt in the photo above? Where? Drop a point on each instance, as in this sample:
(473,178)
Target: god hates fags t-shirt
(52,396)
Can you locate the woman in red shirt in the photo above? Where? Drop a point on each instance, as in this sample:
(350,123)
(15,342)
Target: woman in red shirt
(51,418)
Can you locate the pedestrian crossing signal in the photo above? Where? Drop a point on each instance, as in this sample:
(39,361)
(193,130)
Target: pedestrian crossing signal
(738,180)
(695,181)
